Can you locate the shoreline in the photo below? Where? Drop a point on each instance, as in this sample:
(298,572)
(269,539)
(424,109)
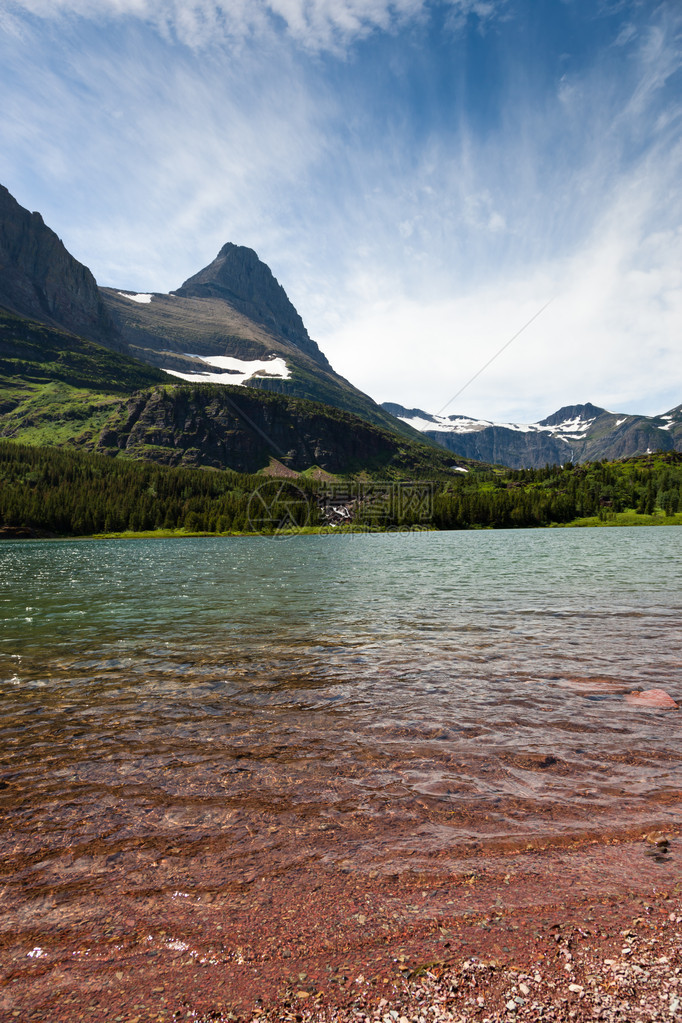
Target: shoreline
(25,533)
(553,933)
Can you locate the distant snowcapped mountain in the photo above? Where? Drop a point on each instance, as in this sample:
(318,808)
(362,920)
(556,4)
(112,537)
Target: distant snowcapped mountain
(575,433)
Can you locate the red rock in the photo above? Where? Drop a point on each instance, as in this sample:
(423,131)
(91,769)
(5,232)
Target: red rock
(657,698)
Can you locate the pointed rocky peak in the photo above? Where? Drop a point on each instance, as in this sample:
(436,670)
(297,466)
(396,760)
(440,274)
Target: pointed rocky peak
(239,277)
(40,279)
(570,413)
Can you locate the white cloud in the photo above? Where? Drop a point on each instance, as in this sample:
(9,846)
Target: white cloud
(581,203)
(315,24)
(154,161)
(626,34)
(411,262)
(611,335)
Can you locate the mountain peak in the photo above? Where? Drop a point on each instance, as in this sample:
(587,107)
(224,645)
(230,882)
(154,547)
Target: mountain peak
(239,277)
(572,412)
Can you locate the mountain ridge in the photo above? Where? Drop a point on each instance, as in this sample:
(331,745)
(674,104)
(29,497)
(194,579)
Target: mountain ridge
(62,390)
(574,433)
(238,276)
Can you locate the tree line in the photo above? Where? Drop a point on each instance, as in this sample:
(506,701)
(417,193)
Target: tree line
(64,492)
(72,493)
(560,494)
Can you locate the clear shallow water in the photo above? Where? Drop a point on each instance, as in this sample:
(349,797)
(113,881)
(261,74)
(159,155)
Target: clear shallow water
(333,697)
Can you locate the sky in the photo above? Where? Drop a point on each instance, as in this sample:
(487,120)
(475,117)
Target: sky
(422,177)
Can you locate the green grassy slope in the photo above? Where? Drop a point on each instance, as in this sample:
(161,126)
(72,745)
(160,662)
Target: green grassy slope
(34,353)
(57,388)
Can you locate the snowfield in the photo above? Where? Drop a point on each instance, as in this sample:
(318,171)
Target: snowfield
(142,299)
(238,371)
(569,429)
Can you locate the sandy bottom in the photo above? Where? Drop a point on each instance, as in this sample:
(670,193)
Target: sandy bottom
(591,931)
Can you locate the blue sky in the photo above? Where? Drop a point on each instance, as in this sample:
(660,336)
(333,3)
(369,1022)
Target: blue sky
(422,176)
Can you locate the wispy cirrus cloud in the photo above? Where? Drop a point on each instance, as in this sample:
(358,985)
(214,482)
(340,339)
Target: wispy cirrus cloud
(417,185)
(611,334)
(155,157)
(576,198)
(314,24)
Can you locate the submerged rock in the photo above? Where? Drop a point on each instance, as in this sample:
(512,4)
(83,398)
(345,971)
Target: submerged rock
(657,698)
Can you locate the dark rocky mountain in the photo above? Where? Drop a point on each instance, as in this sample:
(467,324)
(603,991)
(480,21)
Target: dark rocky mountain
(239,277)
(63,381)
(575,433)
(230,323)
(215,329)
(69,350)
(241,429)
(40,279)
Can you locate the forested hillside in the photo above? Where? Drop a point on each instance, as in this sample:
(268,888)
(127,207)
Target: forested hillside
(62,492)
(613,492)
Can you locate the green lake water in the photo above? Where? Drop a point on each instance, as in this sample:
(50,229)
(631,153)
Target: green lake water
(359,694)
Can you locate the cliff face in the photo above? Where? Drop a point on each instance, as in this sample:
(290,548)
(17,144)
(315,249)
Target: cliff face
(234,428)
(41,280)
(239,277)
(501,446)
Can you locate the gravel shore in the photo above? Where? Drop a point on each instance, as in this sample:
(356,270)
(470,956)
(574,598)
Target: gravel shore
(564,973)
(587,932)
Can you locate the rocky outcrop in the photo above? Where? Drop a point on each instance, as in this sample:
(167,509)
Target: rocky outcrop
(41,280)
(239,277)
(241,429)
(656,699)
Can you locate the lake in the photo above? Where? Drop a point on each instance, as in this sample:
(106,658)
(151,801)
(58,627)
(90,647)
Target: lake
(352,698)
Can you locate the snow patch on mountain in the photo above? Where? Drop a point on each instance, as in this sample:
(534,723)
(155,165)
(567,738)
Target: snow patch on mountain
(579,433)
(142,299)
(237,371)
(568,429)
